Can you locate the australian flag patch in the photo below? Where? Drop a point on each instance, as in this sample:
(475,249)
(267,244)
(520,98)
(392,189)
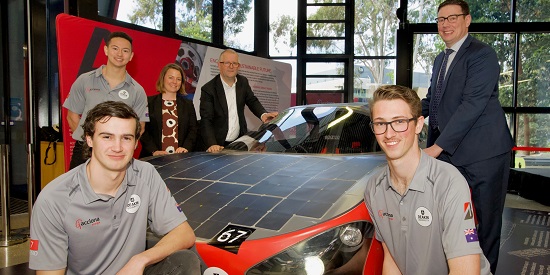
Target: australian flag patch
(471,235)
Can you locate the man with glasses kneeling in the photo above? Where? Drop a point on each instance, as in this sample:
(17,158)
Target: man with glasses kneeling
(420,206)
(222,104)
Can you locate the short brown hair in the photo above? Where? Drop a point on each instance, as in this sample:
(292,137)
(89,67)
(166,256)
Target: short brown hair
(160,80)
(392,92)
(102,112)
(463,5)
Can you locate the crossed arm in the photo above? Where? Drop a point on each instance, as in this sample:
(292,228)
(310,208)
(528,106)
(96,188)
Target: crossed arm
(468,264)
(181,237)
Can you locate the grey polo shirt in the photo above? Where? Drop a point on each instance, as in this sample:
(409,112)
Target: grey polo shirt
(91,88)
(72,227)
(431,223)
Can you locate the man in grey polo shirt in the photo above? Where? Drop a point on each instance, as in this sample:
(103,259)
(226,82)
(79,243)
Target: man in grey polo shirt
(108,82)
(93,219)
(420,206)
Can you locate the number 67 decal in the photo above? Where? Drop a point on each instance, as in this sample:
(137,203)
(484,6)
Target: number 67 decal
(231,237)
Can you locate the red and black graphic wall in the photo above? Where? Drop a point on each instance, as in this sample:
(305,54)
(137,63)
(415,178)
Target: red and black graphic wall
(80,44)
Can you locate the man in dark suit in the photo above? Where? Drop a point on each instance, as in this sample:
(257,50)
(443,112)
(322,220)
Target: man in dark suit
(467,126)
(222,104)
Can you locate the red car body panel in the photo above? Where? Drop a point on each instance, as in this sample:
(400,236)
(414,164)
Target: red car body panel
(252,252)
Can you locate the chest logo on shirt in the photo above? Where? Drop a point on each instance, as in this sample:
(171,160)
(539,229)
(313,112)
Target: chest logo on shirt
(92,90)
(82,223)
(133,204)
(123,94)
(423,216)
(383,214)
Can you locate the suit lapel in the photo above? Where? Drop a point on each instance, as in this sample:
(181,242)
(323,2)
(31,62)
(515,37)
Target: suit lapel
(220,93)
(456,59)
(180,106)
(238,92)
(157,102)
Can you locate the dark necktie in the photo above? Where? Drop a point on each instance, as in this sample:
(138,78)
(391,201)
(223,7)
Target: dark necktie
(439,89)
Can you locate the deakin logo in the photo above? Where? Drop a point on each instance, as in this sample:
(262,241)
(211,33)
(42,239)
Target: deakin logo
(133,204)
(423,216)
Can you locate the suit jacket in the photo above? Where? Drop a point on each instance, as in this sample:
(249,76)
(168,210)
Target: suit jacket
(472,123)
(214,112)
(187,125)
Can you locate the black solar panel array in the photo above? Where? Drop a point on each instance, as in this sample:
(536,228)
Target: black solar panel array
(257,190)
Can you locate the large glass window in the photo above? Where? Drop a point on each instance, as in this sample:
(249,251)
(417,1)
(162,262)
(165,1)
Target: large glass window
(374,37)
(325,29)
(490,11)
(324,81)
(422,11)
(425,48)
(325,68)
(533,130)
(282,25)
(504,45)
(369,74)
(194,19)
(482,11)
(339,12)
(324,46)
(238,24)
(375,27)
(534,76)
(141,12)
(533,11)
(325,1)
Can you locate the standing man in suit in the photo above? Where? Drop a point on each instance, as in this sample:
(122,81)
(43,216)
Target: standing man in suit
(467,126)
(222,104)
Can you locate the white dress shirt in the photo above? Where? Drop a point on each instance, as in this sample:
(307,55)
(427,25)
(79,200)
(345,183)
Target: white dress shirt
(233,116)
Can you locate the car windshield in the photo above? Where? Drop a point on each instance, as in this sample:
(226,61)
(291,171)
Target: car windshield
(326,129)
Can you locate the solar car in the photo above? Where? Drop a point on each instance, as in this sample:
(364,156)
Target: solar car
(285,199)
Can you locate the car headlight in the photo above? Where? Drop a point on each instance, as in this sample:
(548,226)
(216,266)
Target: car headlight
(327,251)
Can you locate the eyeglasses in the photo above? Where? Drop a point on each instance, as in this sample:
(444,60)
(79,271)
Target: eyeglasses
(398,125)
(229,64)
(451,18)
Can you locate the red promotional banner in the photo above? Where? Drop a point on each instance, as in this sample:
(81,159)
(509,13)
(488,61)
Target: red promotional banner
(80,45)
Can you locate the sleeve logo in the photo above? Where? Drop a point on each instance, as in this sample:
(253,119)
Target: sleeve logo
(468,213)
(33,244)
(471,235)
